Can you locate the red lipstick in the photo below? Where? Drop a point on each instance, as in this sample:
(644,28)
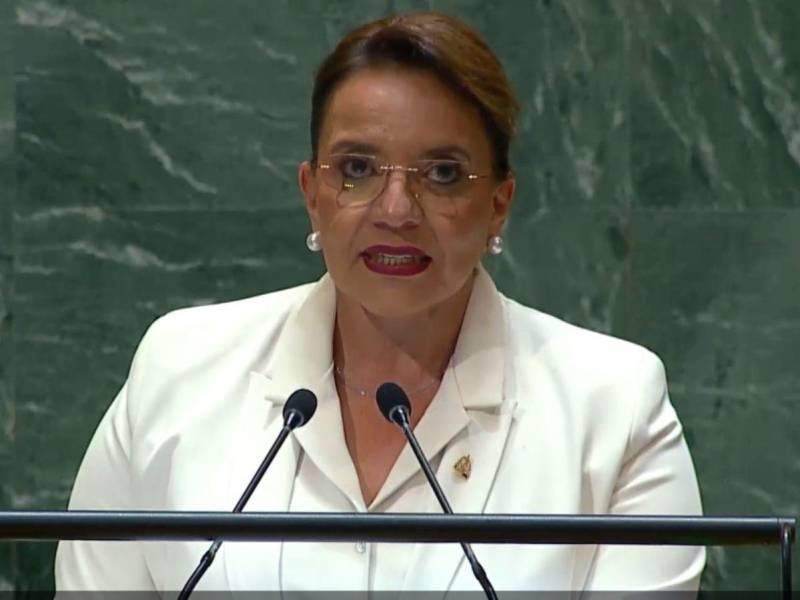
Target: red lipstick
(403,261)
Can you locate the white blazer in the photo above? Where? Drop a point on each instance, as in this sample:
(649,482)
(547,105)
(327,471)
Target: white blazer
(555,418)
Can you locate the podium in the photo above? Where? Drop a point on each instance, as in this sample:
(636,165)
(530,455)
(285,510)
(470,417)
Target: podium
(398,527)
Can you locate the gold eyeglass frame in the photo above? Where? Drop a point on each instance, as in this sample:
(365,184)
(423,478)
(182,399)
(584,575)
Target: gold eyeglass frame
(387,169)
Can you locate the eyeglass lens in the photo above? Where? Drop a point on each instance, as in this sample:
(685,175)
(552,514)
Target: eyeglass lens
(439,184)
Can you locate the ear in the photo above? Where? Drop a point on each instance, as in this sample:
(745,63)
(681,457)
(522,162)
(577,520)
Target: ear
(307,181)
(501,204)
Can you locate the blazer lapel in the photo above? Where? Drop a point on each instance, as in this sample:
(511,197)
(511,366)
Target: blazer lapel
(439,426)
(479,372)
(300,358)
(254,565)
(433,566)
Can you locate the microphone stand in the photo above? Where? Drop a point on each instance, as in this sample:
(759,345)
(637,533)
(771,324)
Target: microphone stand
(293,419)
(399,415)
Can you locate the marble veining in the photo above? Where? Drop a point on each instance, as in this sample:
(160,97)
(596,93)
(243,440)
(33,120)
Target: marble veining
(148,158)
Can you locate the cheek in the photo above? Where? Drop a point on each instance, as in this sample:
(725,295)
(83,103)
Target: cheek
(339,229)
(327,211)
(467,234)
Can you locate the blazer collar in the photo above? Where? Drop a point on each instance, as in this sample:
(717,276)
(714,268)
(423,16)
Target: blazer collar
(479,356)
(304,353)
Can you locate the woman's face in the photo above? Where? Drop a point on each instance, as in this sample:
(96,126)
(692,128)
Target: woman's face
(400,243)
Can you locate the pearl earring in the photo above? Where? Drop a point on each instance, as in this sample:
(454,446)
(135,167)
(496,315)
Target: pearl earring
(312,241)
(495,246)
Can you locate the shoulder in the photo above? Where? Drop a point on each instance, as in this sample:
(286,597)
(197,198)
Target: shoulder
(194,362)
(263,308)
(192,347)
(601,394)
(566,346)
(217,327)
(611,382)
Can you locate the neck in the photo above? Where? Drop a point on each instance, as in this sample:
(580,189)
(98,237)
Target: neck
(413,350)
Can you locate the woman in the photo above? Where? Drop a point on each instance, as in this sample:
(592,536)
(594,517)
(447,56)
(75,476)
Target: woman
(408,187)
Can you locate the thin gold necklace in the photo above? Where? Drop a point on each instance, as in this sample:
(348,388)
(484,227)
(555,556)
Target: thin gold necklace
(362,392)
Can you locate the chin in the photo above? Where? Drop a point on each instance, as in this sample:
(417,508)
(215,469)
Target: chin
(392,303)
(398,297)
(398,300)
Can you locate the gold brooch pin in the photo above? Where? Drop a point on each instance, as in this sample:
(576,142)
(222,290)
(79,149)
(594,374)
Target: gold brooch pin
(463,466)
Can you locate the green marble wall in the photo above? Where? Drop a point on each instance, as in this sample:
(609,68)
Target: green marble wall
(7,468)
(152,152)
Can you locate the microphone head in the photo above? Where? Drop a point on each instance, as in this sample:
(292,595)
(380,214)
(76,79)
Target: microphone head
(303,403)
(391,397)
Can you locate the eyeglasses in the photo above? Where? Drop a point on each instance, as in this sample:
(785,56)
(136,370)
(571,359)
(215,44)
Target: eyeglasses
(440,185)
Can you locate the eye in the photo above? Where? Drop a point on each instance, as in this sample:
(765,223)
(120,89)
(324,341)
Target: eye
(444,172)
(355,167)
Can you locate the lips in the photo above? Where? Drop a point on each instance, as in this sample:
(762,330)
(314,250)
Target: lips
(396,260)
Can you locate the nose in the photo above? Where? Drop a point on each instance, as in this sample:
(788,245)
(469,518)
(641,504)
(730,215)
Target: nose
(397,206)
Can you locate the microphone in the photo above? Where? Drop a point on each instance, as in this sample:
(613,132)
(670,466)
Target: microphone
(395,406)
(297,411)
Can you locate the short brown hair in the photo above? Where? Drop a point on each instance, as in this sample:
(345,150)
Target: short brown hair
(435,42)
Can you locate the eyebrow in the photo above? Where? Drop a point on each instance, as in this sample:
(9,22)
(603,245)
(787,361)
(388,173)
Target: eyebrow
(447,150)
(354,146)
(358,147)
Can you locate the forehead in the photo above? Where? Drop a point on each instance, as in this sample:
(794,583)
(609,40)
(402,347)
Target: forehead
(402,111)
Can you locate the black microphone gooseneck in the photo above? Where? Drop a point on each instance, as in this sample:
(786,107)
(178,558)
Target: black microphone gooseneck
(297,411)
(395,406)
